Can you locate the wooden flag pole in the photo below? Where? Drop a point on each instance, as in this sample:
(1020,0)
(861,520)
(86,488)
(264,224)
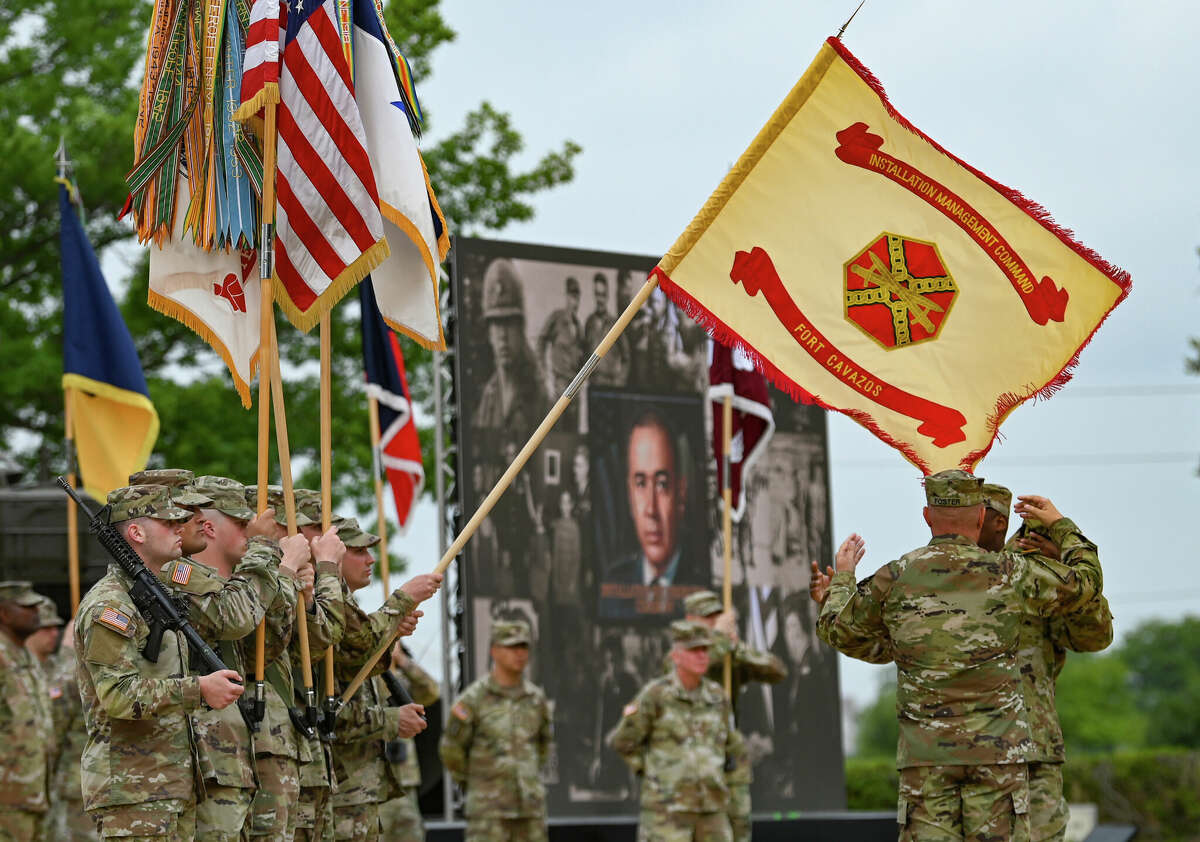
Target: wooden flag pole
(289,505)
(727,526)
(266,335)
(527,451)
(72,513)
(377,463)
(327,466)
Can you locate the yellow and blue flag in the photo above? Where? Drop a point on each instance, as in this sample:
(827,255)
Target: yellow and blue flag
(115,424)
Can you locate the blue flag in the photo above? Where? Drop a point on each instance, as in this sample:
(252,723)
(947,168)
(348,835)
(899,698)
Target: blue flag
(114,422)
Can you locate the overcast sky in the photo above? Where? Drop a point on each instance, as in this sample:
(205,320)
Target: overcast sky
(1089,108)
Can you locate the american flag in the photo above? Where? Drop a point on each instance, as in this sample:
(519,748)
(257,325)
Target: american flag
(260,65)
(329,231)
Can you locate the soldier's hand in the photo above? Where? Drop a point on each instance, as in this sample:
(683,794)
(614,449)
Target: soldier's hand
(328,547)
(818,583)
(412,720)
(219,688)
(305,577)
(422,587)
(727,624)
(1031,506)
(1035,542)
(296,553)
(409,624)
(399,656)
(264,526)
(850,553)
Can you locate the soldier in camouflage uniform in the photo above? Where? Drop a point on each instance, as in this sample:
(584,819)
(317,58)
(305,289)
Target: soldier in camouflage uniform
(366,722)
(314,812)
(746,665)
(952,613)
(71,821)
(400,815)
(496,742)
(26,723)
(1043,651)
(42,643)
(227,579)
(139,769)
(678,737)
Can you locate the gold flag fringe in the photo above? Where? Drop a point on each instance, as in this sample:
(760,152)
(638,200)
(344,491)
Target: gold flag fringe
(305,320)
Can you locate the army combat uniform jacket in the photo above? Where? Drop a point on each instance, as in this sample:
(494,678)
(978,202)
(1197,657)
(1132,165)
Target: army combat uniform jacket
(224,611)
(140,746)
(27,729)
(678,741)
(496,742)
(951,614)
(365,722)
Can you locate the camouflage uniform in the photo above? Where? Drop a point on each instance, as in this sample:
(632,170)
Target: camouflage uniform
(746,665)
(139,772)
(27,729)
(952,613)
(365,722)
(400,815)
(1043,651)
(71,822)
(682,744)
(224,611)
(496,742)
(326,626)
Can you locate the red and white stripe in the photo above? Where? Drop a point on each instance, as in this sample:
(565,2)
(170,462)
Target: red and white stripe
(328,205)
(260,65)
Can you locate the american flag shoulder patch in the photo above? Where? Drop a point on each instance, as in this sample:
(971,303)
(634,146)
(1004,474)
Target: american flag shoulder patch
(56,692)
(114,619)
(629,709)
(182,573)
(460,710)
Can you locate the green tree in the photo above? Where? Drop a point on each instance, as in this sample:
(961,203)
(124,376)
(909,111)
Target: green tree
(67,66)
(1164,666)
(1097,708)
(878,729)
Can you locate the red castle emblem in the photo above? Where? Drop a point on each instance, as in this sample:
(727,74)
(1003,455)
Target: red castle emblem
(231,290)
(898,290)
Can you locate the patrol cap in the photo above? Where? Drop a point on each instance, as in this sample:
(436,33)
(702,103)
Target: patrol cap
(22,593)
(953,488)
(702,604)
(144,501)
(228,496)
(503,295)
(511,633)
(275,501)
(309,502)
(179,480)
(352,534)
(688,634)
(997,498)
(572,285)
(47,613)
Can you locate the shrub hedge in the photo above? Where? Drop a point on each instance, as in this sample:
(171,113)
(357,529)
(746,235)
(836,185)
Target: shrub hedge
(1156,789)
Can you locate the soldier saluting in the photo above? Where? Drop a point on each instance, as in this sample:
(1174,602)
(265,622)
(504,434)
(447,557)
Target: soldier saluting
(139,771)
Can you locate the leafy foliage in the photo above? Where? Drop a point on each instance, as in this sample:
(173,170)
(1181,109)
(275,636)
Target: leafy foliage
(878,728)
(70,68)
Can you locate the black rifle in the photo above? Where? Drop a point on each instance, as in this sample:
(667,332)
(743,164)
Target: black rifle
(398,696)
(152,599)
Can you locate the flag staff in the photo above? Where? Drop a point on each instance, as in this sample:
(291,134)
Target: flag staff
(532,445)
(64,169)
(270,382)
(727,525)
(326,474)
(376,459)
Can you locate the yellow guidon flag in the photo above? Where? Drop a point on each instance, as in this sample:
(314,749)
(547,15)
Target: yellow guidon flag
(864,267)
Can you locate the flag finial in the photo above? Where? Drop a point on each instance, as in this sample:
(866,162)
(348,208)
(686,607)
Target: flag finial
(847,23)
(61,160)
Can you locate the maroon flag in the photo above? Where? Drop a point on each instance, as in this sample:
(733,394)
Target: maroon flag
(732,372)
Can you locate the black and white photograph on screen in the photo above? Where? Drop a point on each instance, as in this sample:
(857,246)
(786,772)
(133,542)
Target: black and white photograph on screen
(597,549)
